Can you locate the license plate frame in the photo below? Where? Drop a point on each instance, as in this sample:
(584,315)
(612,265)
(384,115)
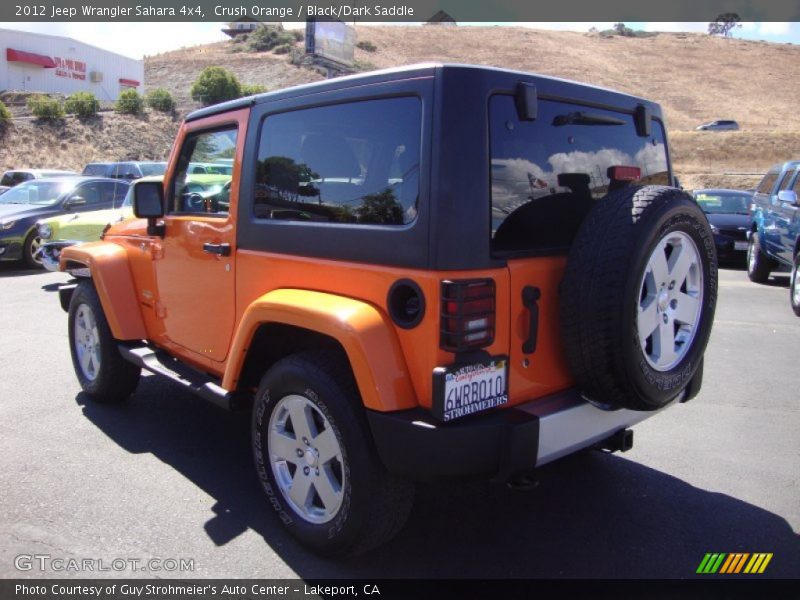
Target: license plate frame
(739,245)
(483,382)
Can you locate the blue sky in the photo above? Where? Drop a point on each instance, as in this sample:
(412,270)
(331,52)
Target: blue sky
(138,39)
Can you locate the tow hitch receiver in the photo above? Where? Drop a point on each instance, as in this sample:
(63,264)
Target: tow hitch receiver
(621,441)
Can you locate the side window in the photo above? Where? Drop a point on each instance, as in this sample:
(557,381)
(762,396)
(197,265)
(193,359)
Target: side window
(796,186)
(201,193)
(112,194)
(20,177)
(785,181)
(784,185)
(7,180)
(348,163)
(547,174)
(89,192)
(765,187)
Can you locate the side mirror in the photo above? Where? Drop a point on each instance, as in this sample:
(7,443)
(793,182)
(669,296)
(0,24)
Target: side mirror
(788,196)
(74,201)
(148,203)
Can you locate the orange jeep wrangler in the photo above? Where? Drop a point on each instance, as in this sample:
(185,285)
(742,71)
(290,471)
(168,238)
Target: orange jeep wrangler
(431,272)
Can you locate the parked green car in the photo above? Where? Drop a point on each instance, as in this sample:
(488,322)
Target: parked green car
(60,232)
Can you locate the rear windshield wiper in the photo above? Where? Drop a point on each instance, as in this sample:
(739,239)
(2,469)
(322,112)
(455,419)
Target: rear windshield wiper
(582,118)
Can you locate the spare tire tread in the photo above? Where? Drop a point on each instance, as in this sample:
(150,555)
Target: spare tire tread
(597,286)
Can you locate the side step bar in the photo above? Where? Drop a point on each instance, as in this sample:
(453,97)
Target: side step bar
(160,363)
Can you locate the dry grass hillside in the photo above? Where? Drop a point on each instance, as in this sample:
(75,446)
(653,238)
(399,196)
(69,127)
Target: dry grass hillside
(71,143)
(694,77)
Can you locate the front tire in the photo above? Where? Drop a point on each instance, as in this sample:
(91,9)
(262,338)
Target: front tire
(794,286)
(316,460)
(759,265)
(30,250)
(102,372)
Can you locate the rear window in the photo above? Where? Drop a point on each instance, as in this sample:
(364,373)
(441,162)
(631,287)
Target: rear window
(348,163)
(150,169)
(96,170)
(547,174)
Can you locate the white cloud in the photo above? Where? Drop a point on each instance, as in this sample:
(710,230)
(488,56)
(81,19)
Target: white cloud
(689,26)
(773,28)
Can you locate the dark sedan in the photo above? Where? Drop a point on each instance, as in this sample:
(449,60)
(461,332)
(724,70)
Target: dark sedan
(22,206)
(728,212)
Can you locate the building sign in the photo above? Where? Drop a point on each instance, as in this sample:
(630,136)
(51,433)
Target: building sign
(69,68)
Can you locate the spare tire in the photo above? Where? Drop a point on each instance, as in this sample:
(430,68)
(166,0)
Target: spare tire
(638,297)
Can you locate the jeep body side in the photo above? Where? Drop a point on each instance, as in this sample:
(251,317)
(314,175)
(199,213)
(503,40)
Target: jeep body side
(438,273)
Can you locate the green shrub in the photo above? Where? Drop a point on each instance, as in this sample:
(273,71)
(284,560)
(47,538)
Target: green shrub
(45,107)
(129,102)
(215,85)
(363,65)
(267,37)
(161,100)
(297,34)
(283,49)
(251,90)
(367,46)
(5,114)
(83,104)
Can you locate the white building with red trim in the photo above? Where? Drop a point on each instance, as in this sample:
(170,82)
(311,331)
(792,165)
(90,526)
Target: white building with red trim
(37,62)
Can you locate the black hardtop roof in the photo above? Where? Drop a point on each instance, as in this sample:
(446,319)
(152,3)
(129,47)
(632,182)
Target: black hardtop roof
(550,86)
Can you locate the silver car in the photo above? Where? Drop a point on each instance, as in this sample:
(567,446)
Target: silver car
(719,125)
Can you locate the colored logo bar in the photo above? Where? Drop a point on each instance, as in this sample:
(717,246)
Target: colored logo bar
(733,563)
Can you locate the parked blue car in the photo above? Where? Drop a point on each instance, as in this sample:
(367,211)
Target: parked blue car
(775,233)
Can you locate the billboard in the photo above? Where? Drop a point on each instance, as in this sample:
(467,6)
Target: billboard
(331,40)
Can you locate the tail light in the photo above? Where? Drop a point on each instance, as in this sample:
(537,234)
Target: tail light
(468,314)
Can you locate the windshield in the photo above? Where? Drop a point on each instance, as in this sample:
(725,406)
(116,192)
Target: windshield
(724,203)
(36,193)
(153,168)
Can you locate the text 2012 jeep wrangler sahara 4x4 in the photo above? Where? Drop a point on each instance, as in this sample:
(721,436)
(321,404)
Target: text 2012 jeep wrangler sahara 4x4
(423,273)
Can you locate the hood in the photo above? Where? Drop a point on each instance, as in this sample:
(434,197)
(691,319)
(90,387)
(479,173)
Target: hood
(730,221)
(21,210)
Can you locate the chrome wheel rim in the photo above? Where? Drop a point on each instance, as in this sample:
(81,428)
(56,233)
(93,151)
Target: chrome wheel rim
(670,301)
(306,459)
(36,243)
(751,256)
(87,342)
(795,286)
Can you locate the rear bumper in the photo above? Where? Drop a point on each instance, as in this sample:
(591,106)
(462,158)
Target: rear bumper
(496,445)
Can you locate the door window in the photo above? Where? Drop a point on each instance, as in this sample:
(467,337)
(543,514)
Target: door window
(209,194)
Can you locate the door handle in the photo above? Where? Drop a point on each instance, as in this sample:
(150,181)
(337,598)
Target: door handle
(530,300)
(218,249)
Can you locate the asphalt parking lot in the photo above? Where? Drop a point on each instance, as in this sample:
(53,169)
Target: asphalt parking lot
(169,476)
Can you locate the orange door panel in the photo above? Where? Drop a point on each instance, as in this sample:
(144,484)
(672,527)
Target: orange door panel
(195,265)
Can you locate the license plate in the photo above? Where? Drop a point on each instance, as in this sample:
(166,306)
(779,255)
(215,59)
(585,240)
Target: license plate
(463,390)
(740,245)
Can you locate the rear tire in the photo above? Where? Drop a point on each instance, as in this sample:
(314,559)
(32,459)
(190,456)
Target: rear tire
(317,462)
(759,265)
(794,285)
(102,372)
(638,297)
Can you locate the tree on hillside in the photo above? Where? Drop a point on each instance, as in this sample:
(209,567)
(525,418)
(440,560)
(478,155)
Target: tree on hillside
(724,24)
(214,85)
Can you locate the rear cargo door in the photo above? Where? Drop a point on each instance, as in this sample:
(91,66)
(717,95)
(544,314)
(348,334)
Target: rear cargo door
(546,175)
